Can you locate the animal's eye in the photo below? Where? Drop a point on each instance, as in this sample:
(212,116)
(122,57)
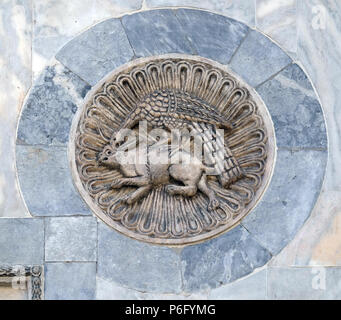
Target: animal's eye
(108,152)
(117,145)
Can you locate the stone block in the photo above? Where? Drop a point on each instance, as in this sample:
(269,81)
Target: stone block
(21,241)
(46,183)
(71,239)
(70,281)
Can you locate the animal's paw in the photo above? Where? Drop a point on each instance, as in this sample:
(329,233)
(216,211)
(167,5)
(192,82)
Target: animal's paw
(172,190)
(117,183)
(127,199)
(213,204)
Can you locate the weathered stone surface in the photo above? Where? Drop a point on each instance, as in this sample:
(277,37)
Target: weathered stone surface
(250,288)
(319,28)
(295,110)
(258,58)
(108,290)
(137,265)
(316,283)
(278,20)
(290,197)
(9,293)
(57,22)
(46,183)
(156,32)
(70,281)
(51,105)
(15,78)
(211,35)
(221,260)
(240,10)
(21,241)
(71,239)
(97,51)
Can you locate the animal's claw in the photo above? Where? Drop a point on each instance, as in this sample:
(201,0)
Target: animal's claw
(213,204)
(171,189)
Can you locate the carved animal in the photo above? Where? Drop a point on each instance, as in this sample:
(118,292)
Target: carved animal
(190,172)
(170,109)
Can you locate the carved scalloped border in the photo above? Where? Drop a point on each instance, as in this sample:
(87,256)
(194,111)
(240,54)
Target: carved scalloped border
(269,167)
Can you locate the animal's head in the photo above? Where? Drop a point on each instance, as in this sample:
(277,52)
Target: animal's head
(119,138)
(108,157)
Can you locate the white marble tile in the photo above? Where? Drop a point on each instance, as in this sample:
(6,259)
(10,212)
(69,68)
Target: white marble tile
(57,22)
(278,20)
(319,50)
(15,79)
(243,10)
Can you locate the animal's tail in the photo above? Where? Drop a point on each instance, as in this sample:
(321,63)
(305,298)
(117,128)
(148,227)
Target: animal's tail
(219,157)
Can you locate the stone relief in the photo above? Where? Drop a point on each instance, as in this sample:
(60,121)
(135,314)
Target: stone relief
(33,272)
(172,149)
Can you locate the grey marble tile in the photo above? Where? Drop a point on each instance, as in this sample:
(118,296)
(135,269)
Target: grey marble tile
(135,264)
(236,9)
(278,20)
(295,110)
(21,241)
(221,260)
(15,79)
(289,199)
(156,32)
(316,283)
(258,58)
(252,287)
(45,181)
(47,115)
(319,52)
(70,281)
(212,36)
(71,239)
(97,51)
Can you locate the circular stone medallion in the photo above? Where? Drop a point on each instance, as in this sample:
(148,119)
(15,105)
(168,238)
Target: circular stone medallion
(172,149)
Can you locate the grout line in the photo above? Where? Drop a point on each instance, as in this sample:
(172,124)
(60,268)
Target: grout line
(241,42)
(274,75)
(258,242)
(129,41)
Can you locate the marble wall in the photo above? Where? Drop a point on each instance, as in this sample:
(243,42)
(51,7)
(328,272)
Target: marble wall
(31,33)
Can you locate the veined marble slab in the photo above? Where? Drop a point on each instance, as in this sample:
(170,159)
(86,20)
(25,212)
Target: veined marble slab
(315,283)
(57,22)
(15,80)
(278,20)
(241,10)
(319,50)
